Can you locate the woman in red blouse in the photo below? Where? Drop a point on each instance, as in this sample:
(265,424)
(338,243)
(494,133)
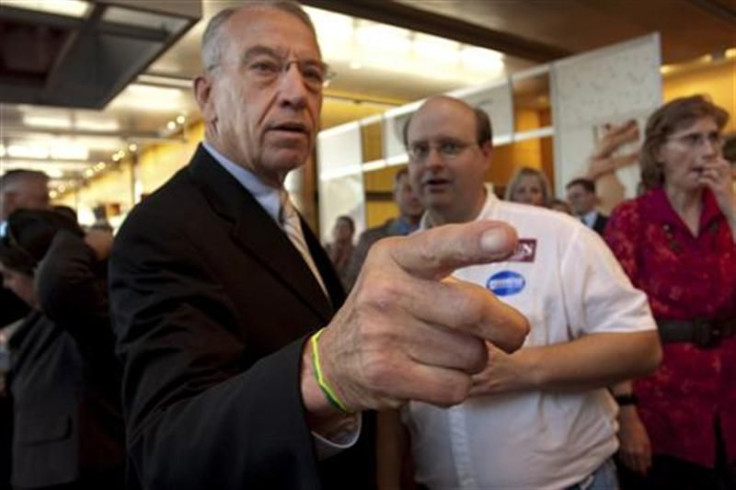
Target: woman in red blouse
(677,243)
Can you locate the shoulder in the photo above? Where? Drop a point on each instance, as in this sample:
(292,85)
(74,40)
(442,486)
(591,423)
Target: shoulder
(537,220)
(376,233)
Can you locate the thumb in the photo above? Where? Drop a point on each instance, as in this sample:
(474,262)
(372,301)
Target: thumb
(436,253)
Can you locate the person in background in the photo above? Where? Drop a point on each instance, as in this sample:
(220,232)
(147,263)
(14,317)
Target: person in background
(19,189)
(410,212)
(245,364)
(541,417)
(677,243)
(528,186)
(26,189)
(561,206)
(340,250)
(583,200)
(64,378)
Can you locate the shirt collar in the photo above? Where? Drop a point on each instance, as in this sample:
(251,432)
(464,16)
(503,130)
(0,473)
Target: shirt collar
(267,196)
(589,218)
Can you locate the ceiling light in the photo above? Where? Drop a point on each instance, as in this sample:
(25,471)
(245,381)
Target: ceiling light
(171,125)
(482,60)
(44,165)
(165,81)
(101,125)
(731,53)
(69,152)
(378,37)
(436,48)
(89,173)
(330,26)
(53,194)
(150,98)
(28,151)
(69,8)
(133,147)
(151,92)
(58,122)
(54,173)
(181,119)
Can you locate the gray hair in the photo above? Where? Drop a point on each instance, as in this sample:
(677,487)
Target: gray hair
(214,42)
(13,177)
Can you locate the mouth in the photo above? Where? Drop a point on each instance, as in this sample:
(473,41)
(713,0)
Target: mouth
(435,184)
(295,128)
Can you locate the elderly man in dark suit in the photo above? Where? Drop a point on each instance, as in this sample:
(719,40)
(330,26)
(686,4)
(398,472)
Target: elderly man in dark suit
(245,366)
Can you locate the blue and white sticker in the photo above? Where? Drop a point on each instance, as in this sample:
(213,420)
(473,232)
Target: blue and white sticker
(506,283)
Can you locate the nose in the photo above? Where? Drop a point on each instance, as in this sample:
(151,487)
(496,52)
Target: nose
(434,159)
(292,87)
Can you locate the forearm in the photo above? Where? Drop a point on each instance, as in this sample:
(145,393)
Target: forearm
(590,362)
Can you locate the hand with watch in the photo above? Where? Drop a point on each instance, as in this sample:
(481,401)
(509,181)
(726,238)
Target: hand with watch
(635,449)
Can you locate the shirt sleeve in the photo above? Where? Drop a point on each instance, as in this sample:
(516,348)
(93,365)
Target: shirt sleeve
(598,294)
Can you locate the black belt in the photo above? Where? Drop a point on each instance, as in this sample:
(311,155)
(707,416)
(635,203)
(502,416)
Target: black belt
(701,332)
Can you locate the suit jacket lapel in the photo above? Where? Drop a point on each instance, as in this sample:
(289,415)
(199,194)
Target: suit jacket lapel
(256,232)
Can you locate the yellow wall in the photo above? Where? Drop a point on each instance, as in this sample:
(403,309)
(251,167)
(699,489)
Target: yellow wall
(716,80)
(159,162)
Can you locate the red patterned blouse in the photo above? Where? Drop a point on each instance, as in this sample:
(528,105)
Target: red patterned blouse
(685,277)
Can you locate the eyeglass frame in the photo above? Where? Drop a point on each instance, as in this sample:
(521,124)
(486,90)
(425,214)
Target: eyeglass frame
(695,140)
(438,146)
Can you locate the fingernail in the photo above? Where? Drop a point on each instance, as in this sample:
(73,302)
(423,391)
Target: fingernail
(493,240)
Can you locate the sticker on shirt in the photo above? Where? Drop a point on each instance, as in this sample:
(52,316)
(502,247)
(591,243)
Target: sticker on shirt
(506,283)
(525,251)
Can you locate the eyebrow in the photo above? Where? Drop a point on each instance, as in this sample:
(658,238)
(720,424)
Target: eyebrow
(261,50)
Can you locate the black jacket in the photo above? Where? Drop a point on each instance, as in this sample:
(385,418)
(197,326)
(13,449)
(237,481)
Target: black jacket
(212,304)
(64,378)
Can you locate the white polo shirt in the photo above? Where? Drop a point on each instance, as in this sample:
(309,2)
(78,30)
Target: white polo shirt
(568,284)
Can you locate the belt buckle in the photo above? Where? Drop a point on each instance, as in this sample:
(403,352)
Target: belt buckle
(706,334)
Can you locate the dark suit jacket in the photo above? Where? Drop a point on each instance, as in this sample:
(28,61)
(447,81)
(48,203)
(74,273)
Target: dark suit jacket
(212,304)
(365,242)
(65,380)
(600,223)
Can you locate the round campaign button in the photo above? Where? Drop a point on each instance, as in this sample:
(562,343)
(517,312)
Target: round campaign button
(506,283)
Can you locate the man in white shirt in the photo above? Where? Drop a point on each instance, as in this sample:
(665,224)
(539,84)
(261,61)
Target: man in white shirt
(583,199)
(541,418)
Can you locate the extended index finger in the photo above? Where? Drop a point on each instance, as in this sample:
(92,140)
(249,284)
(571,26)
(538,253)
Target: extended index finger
(436,253)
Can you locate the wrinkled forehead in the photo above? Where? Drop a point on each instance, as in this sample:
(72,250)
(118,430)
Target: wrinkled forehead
(272,28)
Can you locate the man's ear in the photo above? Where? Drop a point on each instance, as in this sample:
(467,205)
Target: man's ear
(203,91)
(487,150)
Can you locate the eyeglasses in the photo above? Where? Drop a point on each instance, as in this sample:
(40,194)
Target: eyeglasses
(266,67)
(448,149)
(694,140)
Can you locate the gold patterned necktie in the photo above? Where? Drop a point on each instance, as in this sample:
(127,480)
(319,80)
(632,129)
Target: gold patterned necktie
(292,226)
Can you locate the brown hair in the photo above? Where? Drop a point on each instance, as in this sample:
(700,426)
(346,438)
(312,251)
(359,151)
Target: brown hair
(669,118)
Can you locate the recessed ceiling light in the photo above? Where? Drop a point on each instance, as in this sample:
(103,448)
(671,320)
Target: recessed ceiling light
(68,8)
